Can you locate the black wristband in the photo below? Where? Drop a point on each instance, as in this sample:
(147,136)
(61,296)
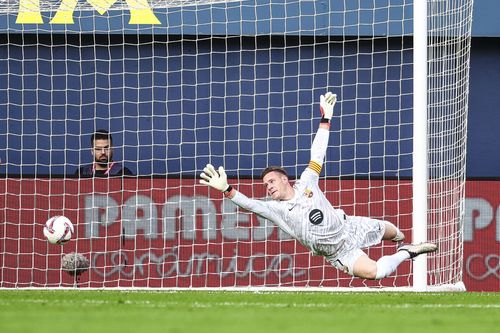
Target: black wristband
(325,121)
(227,192)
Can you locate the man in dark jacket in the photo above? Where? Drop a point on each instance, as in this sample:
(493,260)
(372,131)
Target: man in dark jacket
(103,165)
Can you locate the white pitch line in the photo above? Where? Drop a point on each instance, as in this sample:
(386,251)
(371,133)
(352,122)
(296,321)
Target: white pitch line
(153,304)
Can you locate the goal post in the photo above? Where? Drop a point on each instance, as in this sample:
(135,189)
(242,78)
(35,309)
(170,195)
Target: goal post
(180,84)
(449,37)
(420,160)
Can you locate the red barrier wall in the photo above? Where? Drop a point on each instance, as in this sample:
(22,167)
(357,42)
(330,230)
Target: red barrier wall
(171,232)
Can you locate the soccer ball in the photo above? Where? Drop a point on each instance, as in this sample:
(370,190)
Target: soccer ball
(58,230)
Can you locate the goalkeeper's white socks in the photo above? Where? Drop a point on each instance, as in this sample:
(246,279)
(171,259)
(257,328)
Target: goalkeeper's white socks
(386,265)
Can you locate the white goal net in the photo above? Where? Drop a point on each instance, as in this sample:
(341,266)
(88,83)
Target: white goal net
(179,84)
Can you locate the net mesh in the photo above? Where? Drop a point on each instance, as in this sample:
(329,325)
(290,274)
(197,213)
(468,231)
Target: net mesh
(448,91)
(180,84)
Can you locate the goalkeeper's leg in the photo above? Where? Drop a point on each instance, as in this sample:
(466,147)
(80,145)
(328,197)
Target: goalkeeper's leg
(392,233)
(358,264)
(386,265)
(367,268)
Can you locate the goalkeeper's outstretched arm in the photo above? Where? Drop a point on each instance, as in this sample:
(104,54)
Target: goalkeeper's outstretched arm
(320,142)
(217,179)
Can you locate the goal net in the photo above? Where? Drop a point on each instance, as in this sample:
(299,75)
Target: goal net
(179,84)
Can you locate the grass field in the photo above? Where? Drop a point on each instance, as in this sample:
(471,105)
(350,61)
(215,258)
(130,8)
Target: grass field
(231,311)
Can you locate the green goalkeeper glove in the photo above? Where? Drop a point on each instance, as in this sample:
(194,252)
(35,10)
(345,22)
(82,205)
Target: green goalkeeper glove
(326,104)
(214,178)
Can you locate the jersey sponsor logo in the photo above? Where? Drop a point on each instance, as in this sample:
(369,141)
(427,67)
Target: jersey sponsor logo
(316,216)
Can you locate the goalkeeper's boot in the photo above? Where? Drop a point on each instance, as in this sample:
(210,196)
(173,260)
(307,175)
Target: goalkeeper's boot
(417,249)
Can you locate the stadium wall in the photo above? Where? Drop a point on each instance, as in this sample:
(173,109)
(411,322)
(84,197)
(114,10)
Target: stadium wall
(63,125)
(186,96)
(130,232)
(50,150)
(52,136)
(59,149)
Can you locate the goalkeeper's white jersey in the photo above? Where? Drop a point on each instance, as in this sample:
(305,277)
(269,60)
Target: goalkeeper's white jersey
(308,216)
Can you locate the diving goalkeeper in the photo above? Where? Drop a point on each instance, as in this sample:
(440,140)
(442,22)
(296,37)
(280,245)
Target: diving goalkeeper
(303,211)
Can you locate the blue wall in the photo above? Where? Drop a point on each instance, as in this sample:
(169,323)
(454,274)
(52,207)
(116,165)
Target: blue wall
(239,95)
(230,91)
(256,17)
(486,18)
(250,17)
(483,154)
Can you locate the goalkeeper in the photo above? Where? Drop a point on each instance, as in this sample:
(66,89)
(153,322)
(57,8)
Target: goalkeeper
(303,212)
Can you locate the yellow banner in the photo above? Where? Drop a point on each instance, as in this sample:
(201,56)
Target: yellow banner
(29,11)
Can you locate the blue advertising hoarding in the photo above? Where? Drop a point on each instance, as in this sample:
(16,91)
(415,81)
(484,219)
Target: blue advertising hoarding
(188,100)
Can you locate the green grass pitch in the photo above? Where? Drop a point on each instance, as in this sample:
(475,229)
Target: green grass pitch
(234,311)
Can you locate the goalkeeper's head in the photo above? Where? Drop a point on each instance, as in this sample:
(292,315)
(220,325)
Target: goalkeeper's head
(102,147)
(277,184)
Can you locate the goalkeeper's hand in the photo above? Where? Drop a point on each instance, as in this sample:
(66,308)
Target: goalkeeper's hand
(214,178)
(326,105)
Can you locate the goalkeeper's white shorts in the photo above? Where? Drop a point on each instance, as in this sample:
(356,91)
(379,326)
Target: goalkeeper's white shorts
(362,232)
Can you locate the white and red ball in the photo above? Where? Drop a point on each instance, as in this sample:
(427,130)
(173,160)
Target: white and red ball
(58,230)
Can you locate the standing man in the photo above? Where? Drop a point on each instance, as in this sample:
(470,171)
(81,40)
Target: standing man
(303,211)
(102,151)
